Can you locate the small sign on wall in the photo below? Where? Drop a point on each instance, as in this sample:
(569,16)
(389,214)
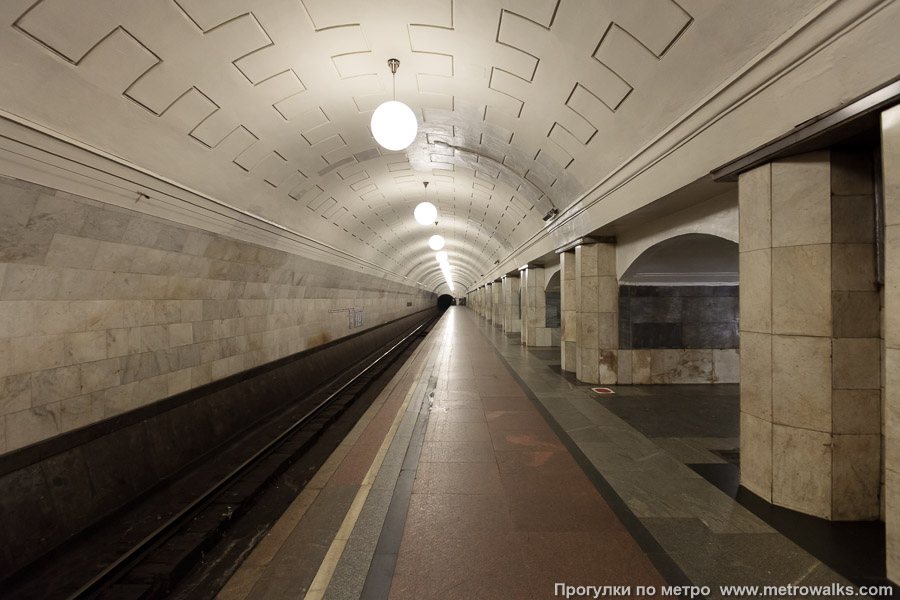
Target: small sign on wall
(356,315)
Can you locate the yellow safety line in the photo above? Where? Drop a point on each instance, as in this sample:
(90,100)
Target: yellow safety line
(329,563)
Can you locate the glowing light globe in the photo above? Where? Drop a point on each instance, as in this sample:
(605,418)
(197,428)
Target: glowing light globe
(441,256)
(394,125)
(425,213)
(436,242)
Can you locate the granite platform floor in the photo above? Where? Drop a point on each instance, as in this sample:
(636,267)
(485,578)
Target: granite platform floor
(484,472)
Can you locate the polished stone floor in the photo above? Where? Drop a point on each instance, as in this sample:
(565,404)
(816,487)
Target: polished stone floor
(485,472)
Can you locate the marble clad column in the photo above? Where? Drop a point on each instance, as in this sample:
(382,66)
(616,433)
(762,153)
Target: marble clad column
(890,152)
(489,302)
(512,319)
(534,308)
(597,317)
(810,329)
(497,303)
(568,311)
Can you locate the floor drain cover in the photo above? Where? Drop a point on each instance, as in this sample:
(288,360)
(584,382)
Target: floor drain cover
(603,390)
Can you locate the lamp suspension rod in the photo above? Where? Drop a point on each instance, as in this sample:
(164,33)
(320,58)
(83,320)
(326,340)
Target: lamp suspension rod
(393,63)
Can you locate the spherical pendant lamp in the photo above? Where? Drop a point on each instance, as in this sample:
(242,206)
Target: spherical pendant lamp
(394,124)
(436,242)
(425,213)
(441,256)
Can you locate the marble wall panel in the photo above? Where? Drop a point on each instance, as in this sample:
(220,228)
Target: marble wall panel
(802,470)
(726,366)
(856,474)
(801,382)
(857,363)
(641,364)
(801,290)
(755,209)
(756,455)
(697,317)
(801,200)
(112,309)
(568,311)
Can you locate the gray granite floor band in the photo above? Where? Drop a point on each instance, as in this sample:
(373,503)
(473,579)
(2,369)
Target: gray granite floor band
(727,544)
(383,560)
(664,563)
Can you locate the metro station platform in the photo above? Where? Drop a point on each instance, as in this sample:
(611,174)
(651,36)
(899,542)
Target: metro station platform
(482,471)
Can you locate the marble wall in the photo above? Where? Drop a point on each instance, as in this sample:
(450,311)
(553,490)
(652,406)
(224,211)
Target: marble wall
(554,309)
(103,310)
(810,335)
(681,365)
(689,317)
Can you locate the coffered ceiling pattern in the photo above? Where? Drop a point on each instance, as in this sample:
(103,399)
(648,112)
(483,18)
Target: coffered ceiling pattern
(523,105)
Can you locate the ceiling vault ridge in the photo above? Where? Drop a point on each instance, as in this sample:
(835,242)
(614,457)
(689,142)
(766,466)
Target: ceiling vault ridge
(538,121)
(777,60)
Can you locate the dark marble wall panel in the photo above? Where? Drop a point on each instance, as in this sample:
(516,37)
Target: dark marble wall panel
(692,317)
(554,306)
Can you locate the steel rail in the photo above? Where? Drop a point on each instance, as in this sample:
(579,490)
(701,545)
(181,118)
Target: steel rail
(127,561)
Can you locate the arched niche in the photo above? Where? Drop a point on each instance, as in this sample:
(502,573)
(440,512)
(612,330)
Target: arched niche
(689,259)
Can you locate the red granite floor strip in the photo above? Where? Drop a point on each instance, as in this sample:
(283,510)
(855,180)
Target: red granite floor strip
(499,508)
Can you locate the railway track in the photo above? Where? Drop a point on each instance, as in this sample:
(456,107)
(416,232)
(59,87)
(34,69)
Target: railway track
(190,528)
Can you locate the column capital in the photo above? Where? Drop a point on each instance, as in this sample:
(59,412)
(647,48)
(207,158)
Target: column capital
(585,241)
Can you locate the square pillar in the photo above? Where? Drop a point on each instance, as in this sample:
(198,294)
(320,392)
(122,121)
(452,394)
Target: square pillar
(512,319)
(890,153)
(810,335)
(597,314)
(568,311)
(534,308)
(497,304)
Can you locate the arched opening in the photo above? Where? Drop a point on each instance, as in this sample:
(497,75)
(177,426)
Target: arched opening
(552,293)
(445,301)
(679,324)
(681,294)
(689,259)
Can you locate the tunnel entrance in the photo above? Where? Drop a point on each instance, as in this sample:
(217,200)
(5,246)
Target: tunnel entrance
(445,301)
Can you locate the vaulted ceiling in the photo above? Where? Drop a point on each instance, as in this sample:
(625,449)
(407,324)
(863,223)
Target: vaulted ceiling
(523,105)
